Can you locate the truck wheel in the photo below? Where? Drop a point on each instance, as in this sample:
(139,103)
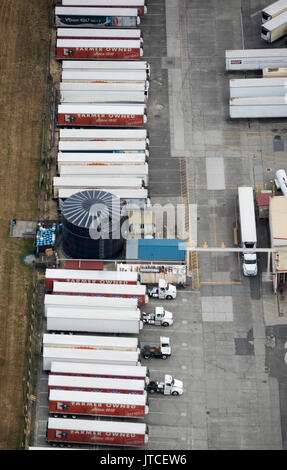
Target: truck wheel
(152,390)
(169,297)
(146,357)
(164,356)
(165,324)
(175,393)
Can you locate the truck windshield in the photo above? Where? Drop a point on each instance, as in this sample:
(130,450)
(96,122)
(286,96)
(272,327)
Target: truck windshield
(250,261)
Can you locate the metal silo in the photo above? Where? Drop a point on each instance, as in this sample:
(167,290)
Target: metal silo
(92,222)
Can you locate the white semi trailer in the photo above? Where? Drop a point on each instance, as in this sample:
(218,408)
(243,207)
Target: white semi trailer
(247,229)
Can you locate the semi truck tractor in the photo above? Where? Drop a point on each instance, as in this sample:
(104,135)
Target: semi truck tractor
(164,290)
(169,386)
(159,317)
(163,351)
(96,432)
(75,403)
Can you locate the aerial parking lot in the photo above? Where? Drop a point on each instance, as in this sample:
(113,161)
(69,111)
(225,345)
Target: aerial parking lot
(229,334)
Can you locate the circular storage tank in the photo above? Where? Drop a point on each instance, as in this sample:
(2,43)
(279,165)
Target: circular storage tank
(92,222)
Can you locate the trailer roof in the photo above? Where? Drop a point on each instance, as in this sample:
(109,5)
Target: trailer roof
(92,314)
(140,171)
(84,274)
(97,425)
(104,74)
(256,53)
(106,369)
(258,82)
(94,11)
(87,301)
(259,101)
(121,193)
(270,9)
(247,214)
(101,157)
(98,32)
(275,22)
(98,397)
(104,133)
(103,64)
(102,108)
(74,145)
(90,354)
(92,182)
(89,340)
(99,43)
(95,382)
(104,86)
(127,289)
(127,3)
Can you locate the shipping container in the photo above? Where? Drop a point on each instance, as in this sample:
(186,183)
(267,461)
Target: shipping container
(103,49)
(103,134)
(67,158)
(271,11)
(83,301)
(95,75)
(95,384)
(124,358)
(90,264)
(92,182)
(70,96)
(152,273)
(103,290)
(140,373)
(93,321)
(99,33)
(255,59)
(104,115)
(91,17)
(114,343)
(108,146)
(105,85)
(120,405)
(78,275)
(113,171)
(264,107)
(96,432)
(257,87)
(274,29)
(139,4)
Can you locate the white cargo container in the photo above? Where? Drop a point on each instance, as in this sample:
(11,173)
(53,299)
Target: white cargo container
(67,158)
(275,28)
(83,301)
(103,146)
(113,65)
(139,372)
(93,75)
(70,96)
(255,59)
(103,134)
(140,4)
(247,229)
(125,358)
(113,171)
(95,384)
(93,320)
(262,107)
(272,10)
(257,87)
(93,182)
(105,85)
(91,17)
(99,33)
(110,343)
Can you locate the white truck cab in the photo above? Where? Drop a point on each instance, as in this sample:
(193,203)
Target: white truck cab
(164,290)
(160,317)
(170,386)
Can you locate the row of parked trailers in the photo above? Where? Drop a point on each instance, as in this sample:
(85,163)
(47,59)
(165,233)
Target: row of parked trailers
(102,145)
(257,97)
(94,376)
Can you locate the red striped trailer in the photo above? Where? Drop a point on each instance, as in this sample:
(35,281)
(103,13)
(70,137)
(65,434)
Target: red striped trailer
(121,405)
(95,384)
(139,4)
(96,432)
(103,49)
(104,115)
(102,290)
(78,275)
(98,33)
